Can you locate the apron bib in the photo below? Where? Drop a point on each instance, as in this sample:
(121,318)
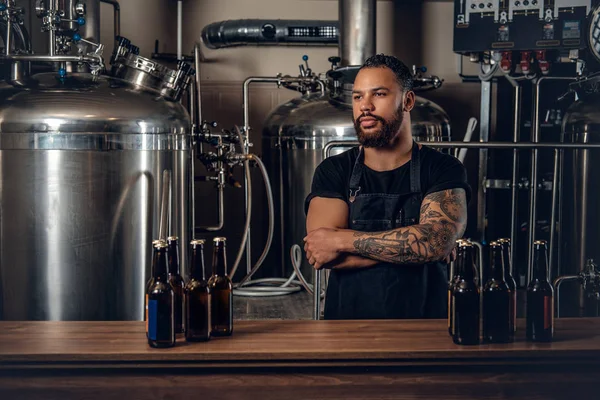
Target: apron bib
(386,290)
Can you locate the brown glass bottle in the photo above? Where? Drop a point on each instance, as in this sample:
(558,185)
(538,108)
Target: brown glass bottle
(197,298)
(176,282)
(497,301)
(161,299)
(450,288)
(510,281)
(540,298)
(465,298)
(149,283)
(221,292)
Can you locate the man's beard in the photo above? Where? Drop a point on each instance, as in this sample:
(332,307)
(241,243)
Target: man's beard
(383,137)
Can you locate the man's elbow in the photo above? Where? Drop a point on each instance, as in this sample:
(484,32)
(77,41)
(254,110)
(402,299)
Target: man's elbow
(442,239)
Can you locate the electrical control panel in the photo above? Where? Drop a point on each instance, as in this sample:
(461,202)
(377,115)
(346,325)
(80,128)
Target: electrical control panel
(520,25)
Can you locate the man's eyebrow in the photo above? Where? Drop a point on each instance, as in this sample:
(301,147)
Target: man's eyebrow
(372,90)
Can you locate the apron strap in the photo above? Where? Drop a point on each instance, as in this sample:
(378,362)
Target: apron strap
(357,171)
(415,172)
(415,169)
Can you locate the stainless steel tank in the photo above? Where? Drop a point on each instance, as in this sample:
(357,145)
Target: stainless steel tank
(579,228)
(294,137)
(81,162)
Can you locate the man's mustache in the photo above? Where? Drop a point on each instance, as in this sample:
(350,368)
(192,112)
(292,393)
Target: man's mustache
(363,116)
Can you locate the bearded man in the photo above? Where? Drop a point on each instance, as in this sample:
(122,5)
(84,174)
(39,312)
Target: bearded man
(384,217)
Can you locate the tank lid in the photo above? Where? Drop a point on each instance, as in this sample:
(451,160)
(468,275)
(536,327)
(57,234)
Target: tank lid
(81,103)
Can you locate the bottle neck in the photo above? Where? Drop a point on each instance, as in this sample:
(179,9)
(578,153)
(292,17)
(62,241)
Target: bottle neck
(197,270)
(173,258)
(497,264)
(506,258)
(465,264)
(159,264)
(540,265)
(219,264)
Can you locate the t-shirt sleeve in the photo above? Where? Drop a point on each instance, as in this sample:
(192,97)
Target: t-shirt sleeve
(449,173)
(328,181)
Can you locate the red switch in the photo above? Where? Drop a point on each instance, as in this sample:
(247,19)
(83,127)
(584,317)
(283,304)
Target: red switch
(525,63)
(540,56)
(506,62)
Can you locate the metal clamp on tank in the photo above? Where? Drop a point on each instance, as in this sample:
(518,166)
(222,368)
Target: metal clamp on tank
(129,66)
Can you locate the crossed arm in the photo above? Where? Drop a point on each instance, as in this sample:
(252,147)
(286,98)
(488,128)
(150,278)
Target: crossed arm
(329,244)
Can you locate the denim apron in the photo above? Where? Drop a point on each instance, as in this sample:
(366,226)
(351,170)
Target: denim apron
(386,290)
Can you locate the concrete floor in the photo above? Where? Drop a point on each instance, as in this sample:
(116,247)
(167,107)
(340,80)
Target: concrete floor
(292,306)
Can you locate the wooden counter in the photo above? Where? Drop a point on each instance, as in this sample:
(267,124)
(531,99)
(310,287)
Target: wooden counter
(295,359)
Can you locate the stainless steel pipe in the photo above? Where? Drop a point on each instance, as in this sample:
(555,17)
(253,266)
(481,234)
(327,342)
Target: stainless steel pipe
(515,176)
(557,283)
(117,16)
(50,58)
(357,30)
(555,189)
(221,220)
(51,32)
(8,39)
(535,138)
(484,136)
(470,145)
(246,142)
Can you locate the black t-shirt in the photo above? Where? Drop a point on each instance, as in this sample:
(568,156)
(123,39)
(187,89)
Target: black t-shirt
(439,171)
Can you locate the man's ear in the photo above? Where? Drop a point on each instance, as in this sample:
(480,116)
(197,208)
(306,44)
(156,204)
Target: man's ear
(409,103)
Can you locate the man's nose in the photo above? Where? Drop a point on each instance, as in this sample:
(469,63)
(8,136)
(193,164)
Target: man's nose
(366,105)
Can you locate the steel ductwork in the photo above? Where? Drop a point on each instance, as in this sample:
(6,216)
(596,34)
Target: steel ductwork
(257,32)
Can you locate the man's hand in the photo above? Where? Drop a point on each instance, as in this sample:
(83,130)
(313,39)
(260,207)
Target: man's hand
(324,245)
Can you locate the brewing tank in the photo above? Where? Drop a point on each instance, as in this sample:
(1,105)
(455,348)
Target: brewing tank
(294,137)
(81,174)
(579,228)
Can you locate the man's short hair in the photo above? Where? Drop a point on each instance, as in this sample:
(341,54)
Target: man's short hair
(402,72)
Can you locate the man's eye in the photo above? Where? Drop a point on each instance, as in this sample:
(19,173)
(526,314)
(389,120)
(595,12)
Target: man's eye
(356,97)
(380,94)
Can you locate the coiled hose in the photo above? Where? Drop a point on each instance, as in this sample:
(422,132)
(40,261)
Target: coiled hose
(266,287)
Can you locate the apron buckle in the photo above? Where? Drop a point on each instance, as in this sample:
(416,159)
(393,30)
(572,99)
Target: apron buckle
(353,195)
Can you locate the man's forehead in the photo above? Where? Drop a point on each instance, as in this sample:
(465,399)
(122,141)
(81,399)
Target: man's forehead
(373,78)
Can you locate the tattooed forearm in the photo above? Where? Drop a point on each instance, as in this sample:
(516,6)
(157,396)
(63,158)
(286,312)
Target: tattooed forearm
(442,221)
(451,202)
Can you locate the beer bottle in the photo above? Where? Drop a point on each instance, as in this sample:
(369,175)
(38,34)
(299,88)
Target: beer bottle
(197,298)
(149,283)
(176,282)
(451,287)
(510,281)
(221,292)
(540,298)
(496,301)
(465,298)
(161,300)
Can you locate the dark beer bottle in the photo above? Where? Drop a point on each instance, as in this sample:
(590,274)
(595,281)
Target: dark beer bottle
(176,282)
(197,298)
(497,301)
(540,298)
(221,292)
(451,287)
(149,283)
(510,281)
(161,300)
(465,298)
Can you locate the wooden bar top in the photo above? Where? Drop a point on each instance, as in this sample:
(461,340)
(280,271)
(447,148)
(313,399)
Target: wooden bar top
(288,343)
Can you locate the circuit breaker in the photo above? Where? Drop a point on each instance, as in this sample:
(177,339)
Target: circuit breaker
(520,25)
